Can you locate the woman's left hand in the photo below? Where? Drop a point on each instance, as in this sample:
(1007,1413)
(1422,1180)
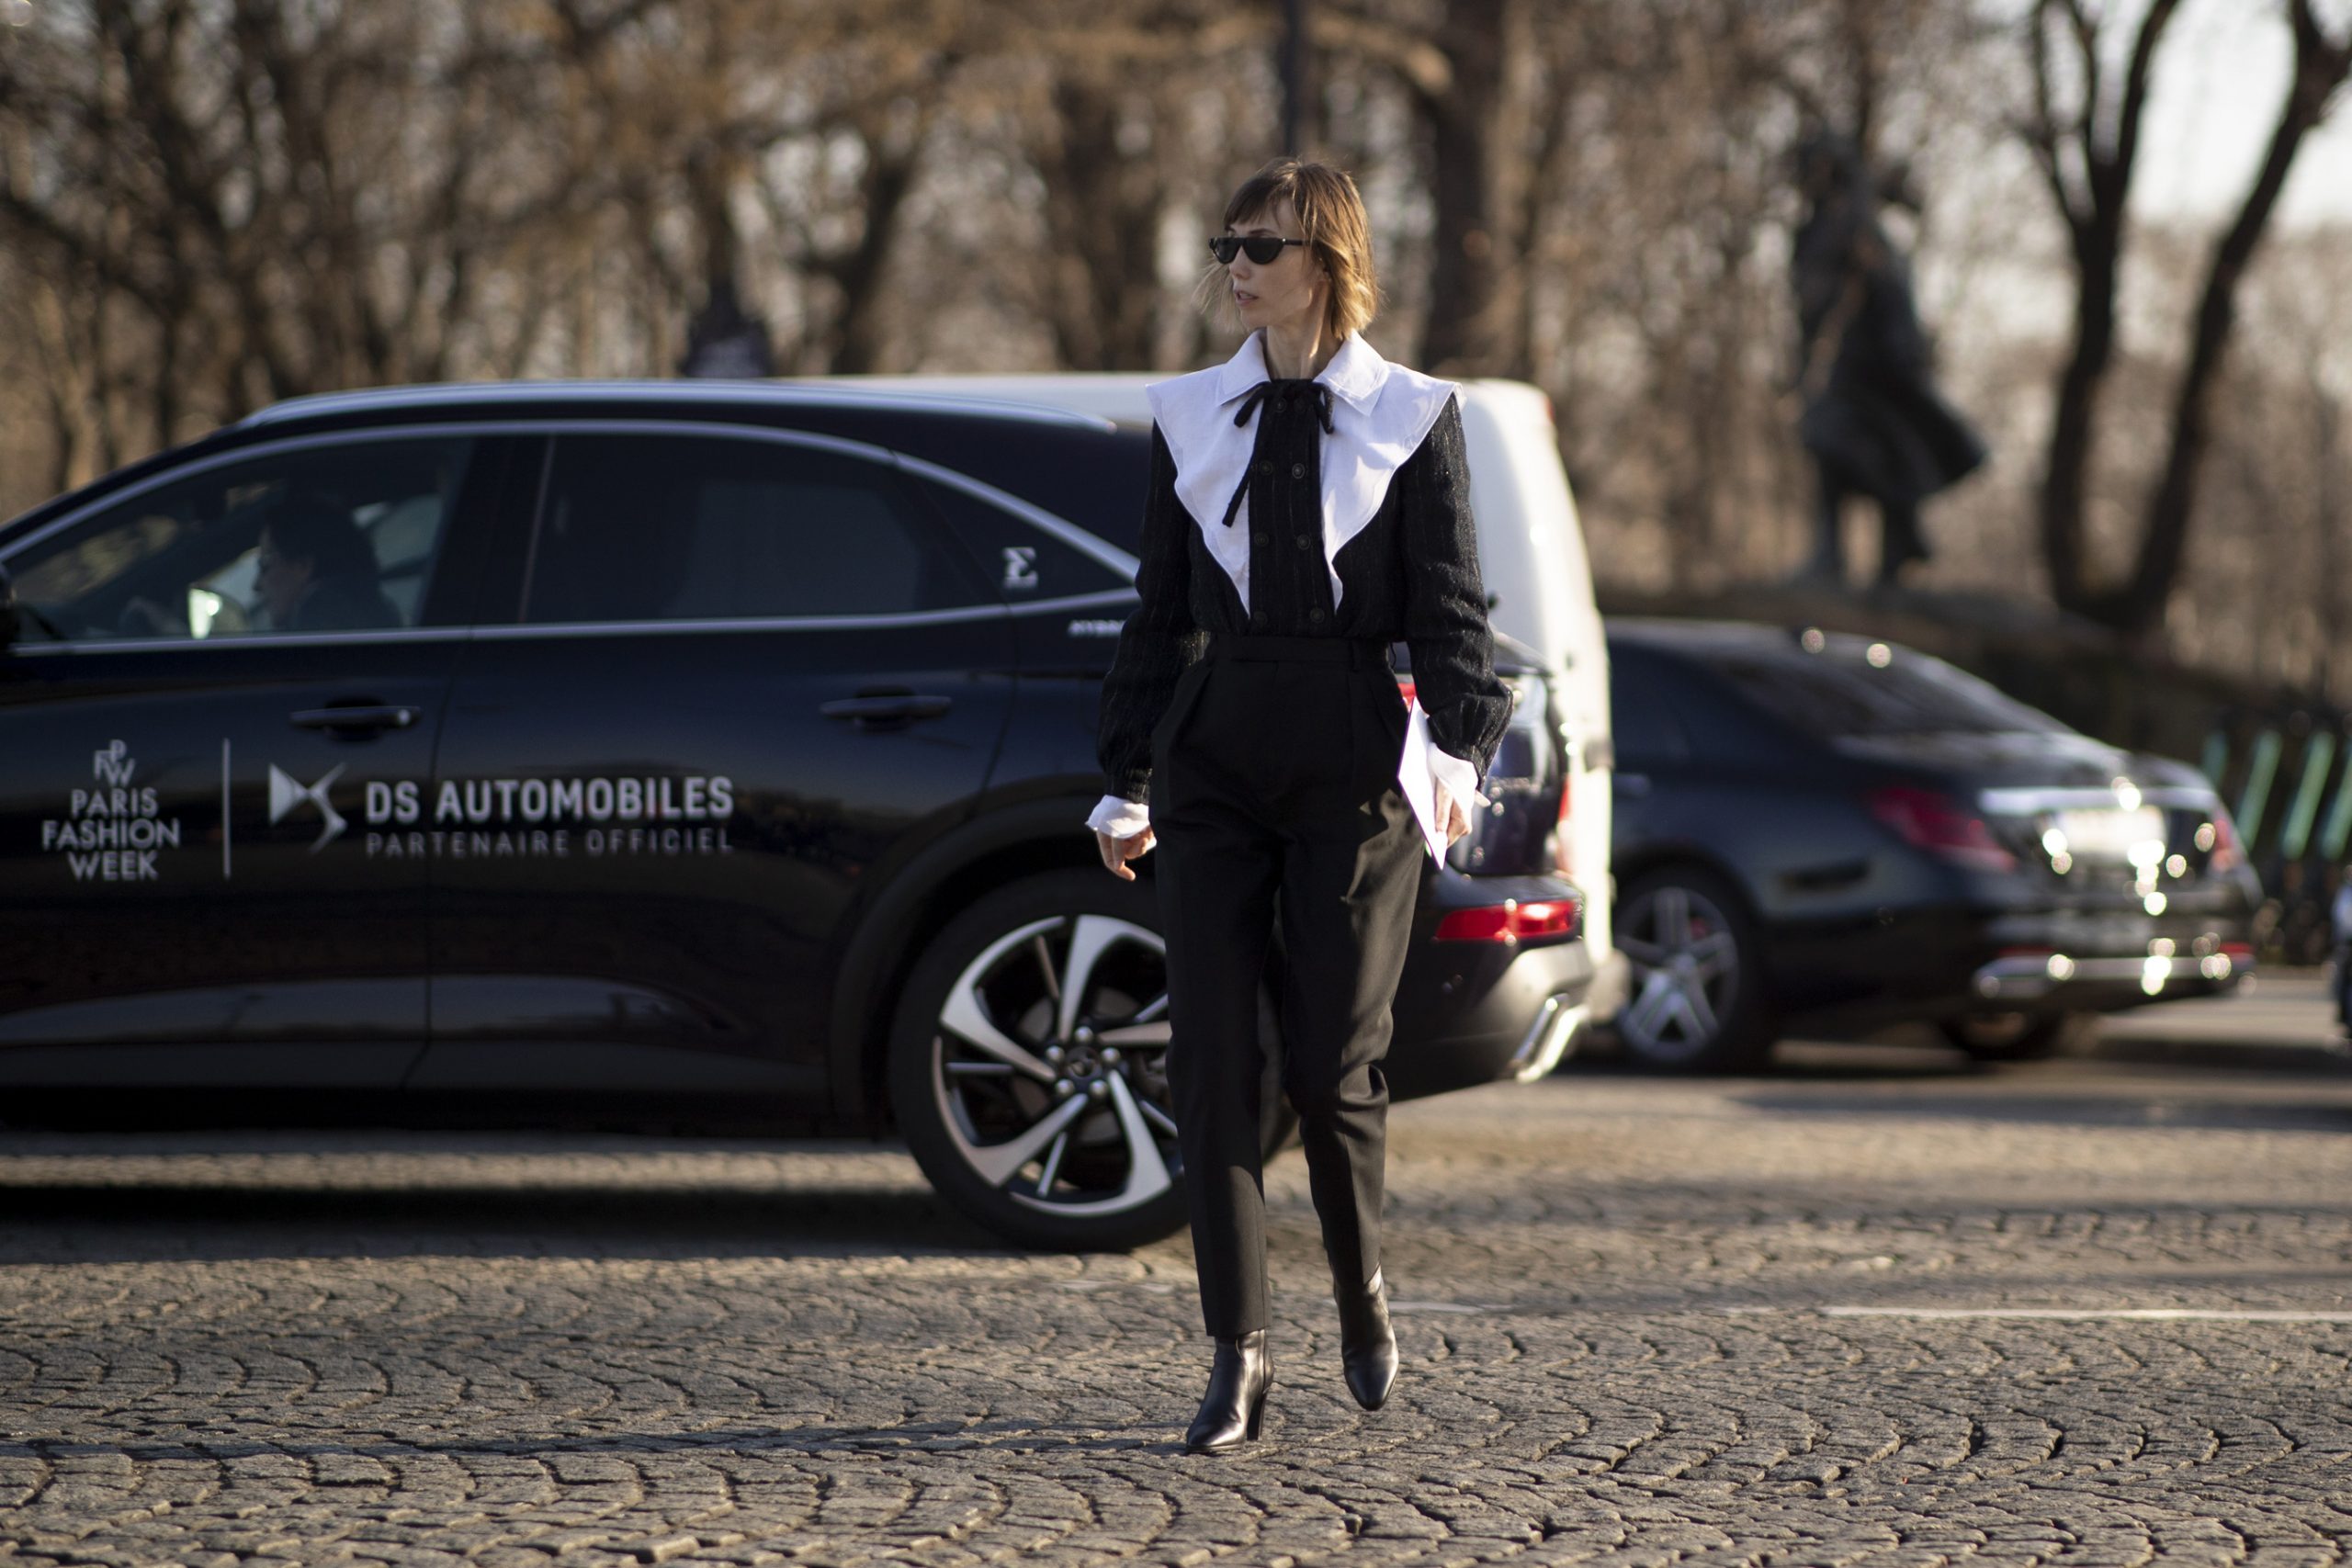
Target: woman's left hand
(1453,820)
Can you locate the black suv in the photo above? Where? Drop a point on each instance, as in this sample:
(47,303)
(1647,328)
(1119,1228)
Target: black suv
(677,751)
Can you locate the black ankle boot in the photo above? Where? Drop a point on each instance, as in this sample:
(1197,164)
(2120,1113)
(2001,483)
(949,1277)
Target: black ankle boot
(1367,1343)
(1235,1400)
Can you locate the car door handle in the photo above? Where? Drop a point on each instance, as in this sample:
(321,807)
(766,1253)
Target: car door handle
(883,707)
(359,715)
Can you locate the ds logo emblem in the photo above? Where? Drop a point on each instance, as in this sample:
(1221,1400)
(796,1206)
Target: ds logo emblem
(286,794)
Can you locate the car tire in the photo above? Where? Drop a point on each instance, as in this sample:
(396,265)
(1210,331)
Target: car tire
(1050,1125)
(1697,1000)
(2009,1036)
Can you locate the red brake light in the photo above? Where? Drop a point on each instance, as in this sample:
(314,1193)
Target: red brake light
(1405,688)
(1510,921)
(1937,824)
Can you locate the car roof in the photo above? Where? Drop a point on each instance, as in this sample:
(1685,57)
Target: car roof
(1116,395)
(1700,637)
(483,396)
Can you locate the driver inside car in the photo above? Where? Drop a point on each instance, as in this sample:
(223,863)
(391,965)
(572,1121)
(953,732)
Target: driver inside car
(315,571)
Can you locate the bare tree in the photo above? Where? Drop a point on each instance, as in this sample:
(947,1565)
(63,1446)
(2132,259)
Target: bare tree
(266,198)
(2083,128)
(2322,64)
(2264,585)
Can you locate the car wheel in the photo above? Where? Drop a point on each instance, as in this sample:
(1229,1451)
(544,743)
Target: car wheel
(2007,1036)
(1697,1000)
(1028,1066)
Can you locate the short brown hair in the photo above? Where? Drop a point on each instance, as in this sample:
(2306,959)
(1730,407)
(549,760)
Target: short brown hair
(1331,219)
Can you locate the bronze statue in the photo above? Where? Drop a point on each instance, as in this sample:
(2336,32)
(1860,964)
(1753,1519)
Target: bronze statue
(1873,421)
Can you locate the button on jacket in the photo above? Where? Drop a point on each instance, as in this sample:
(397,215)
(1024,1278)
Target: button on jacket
(1337,506)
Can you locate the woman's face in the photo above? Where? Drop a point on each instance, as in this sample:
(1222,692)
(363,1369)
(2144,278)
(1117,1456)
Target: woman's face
(1288,292)
(280,581)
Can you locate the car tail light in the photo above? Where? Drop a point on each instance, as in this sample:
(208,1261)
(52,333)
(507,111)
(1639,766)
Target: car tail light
(1941,825)
(2240,954)
(1510,921)
(2227,855)
(1405,688)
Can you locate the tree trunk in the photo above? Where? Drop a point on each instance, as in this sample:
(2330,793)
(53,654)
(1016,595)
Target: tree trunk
(2329,516)
(2066,473)
(2086,162)
(1103,226)
(2319,69)
(1468,321)
(858,331)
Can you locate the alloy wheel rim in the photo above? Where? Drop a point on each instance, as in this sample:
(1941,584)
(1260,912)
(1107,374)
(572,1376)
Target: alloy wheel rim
(1685,971)
(1049,1064)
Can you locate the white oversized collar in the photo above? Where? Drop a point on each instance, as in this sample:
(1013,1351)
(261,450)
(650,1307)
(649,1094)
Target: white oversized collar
(1380,414)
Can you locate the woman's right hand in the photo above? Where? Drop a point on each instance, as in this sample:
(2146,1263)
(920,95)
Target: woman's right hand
(1116,853)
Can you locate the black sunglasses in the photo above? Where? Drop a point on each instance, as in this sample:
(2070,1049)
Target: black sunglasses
(1259,248)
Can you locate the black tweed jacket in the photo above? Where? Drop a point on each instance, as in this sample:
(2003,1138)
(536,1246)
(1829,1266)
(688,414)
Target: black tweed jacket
(1411,576)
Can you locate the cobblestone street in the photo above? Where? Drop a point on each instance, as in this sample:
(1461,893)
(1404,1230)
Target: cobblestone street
(1878,1308)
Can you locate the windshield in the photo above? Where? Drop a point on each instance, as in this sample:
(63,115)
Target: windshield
(1839,693)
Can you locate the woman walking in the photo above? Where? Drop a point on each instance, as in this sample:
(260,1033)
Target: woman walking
(1309,506)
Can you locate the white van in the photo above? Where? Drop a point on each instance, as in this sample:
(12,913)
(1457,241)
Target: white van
(1531,552)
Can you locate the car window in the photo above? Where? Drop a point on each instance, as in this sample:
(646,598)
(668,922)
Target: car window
(1842,692)
(1022,559)
(689,527)
(340,537)
(1643,731)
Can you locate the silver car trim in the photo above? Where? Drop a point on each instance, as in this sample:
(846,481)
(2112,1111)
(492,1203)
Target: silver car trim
(750,393)
(2025,977)
(2025,802)
(1079,601)
(581,628)
(801,623)
(741,624)
(254,639)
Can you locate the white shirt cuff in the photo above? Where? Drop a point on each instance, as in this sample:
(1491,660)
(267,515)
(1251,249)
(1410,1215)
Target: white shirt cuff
(1459,775)
(1120,818)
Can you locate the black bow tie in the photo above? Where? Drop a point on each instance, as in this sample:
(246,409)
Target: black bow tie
(1317,392)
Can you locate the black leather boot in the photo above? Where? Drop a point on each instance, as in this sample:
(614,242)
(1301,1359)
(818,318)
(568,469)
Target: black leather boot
(1243,1371)
(1367,1343)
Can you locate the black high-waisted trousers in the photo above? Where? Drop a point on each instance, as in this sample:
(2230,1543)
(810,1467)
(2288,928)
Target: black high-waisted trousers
(1273,797)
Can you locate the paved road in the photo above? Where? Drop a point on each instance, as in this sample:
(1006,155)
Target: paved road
(1879,1308)
(2288,1007)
